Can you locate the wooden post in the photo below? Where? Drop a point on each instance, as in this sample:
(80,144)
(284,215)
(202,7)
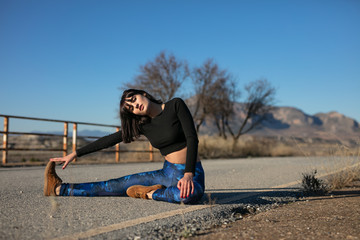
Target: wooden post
(74,138)
(65,139)
(5,140)
(151,150)
(117,153)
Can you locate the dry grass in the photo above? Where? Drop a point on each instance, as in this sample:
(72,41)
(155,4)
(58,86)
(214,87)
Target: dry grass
(247,146)
(344,170)
(349,167)
(253,146)
(343,178)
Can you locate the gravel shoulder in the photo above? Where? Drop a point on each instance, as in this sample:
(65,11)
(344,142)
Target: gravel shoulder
(332,216)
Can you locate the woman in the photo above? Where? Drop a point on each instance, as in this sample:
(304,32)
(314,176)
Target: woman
(170,128)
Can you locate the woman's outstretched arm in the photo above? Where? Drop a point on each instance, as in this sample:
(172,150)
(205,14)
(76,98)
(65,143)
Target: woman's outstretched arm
(65,160)
(101,143)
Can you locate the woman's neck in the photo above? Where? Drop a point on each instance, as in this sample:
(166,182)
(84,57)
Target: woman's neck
(155,109)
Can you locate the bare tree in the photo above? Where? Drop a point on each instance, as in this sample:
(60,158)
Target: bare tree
(212,94)
(223,103)
(215,93)
(259,101)
(161,77)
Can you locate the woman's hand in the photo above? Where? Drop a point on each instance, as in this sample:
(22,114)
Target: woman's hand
(66,160)
(186,185)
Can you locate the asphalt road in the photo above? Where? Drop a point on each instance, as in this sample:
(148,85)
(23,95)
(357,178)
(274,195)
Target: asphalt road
(26,214)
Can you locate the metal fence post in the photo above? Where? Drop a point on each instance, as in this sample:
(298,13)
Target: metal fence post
(74,138)
(117,153)
(65,138)
(151,151)
(5,140)
(5,147)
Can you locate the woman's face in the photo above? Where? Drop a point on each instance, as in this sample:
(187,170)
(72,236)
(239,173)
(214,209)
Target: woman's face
(138,104)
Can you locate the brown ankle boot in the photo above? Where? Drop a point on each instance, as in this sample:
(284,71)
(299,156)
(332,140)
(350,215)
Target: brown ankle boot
(139,191)
(51,180)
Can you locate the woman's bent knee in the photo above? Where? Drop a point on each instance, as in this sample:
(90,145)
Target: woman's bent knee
(193,198)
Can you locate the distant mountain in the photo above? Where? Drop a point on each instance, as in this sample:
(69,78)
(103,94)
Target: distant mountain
(292,122)
(95,133)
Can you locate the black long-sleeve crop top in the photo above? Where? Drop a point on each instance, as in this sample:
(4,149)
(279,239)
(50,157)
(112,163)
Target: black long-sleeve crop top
(172,130)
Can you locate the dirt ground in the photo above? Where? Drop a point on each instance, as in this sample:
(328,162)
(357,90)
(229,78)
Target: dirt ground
(333,216)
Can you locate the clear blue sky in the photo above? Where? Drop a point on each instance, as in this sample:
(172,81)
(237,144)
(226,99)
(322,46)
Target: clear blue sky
(67,59)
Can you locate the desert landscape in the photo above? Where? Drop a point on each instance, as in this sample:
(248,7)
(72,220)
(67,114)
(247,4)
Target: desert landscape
(286,131)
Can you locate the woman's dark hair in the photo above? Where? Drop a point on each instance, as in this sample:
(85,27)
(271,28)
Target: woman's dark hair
(131,123)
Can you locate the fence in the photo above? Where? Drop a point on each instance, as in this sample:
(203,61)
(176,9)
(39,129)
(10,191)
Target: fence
(6,132)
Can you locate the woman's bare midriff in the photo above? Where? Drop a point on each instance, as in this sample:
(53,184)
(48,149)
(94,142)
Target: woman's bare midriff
(178,157)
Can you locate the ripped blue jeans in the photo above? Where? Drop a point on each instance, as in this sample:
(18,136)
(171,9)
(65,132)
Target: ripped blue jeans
(168,176)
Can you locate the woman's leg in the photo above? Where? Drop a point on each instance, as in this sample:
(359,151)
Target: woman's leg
(168,177)
(172,193)
(113,187)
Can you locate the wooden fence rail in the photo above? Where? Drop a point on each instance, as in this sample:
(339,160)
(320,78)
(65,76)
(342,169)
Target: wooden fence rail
(6,132)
